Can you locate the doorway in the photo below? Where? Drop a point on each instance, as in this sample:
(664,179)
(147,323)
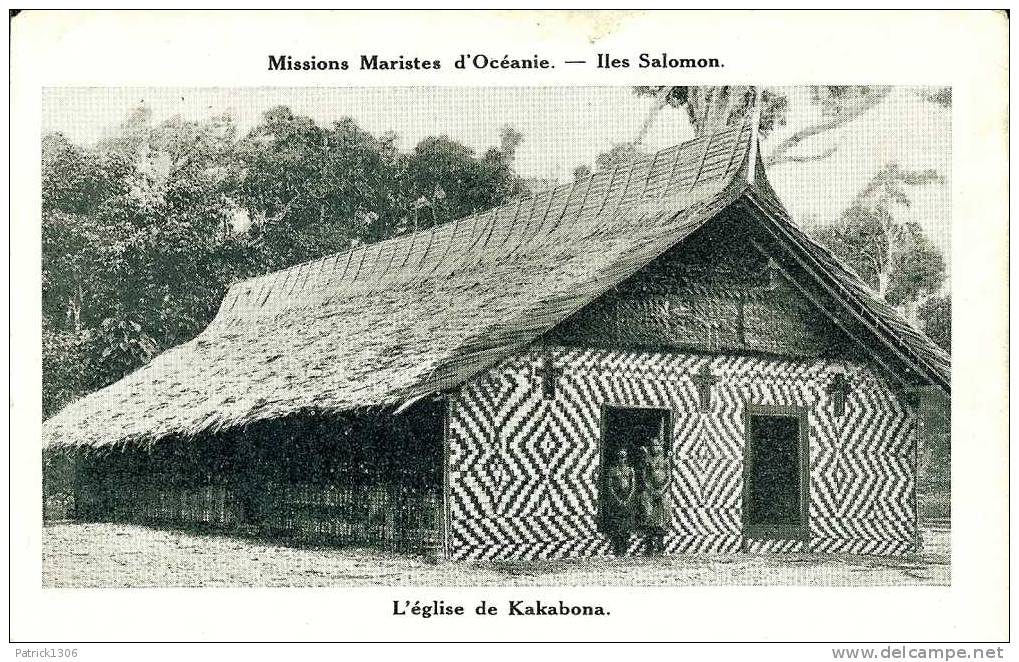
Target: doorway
(775,498)
(630,429)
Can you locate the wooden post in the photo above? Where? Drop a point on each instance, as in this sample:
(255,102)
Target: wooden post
(441,552)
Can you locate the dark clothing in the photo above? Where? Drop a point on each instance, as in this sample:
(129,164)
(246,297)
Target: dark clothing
(653,516)
(653,495)
(619,505)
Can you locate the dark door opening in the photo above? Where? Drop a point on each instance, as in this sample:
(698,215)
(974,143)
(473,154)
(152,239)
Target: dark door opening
(775,491)
(631,430)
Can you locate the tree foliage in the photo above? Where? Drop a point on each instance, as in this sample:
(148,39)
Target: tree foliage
(895,258)
(143,232)
(936,317)
(468,185)
(712,108)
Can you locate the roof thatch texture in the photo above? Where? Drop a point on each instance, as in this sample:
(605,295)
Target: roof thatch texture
(416,314)
(388,322)
(888,324)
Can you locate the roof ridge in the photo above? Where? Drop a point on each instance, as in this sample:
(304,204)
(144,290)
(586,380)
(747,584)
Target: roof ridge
(517,199)
(847,279)
(362,261)
(414,314)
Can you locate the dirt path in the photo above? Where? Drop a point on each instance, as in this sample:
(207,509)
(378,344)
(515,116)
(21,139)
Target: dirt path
(120,555)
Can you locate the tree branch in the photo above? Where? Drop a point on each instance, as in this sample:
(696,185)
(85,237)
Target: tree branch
(735,98)
(838,120)
(820,156)
(286,209)
(661,100)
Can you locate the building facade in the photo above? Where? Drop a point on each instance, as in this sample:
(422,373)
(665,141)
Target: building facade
(709,340)
(660,333)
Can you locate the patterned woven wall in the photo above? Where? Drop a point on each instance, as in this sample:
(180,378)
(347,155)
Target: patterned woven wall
(713,293)
(524,467)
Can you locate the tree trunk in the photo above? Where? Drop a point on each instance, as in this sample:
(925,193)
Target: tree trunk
(660,102)
(713,109)
(882,283)
(74,306)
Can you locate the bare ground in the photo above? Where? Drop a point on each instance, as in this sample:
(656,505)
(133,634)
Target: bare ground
(122,555)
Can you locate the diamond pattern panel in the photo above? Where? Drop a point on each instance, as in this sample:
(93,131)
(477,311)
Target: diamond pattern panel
(524,466)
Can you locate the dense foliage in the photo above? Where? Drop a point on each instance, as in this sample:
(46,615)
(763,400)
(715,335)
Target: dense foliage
(895,257)
(143,233)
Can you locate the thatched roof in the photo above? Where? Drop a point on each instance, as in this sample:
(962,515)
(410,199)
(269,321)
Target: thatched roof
(887,324)
(385,323)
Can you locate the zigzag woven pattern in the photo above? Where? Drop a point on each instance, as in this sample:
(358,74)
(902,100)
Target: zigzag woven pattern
(524,466)
(759,546)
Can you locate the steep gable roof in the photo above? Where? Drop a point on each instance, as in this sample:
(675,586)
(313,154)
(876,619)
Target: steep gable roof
(847,289)
(386,323)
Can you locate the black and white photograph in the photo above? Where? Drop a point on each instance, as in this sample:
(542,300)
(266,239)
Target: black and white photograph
(394,339)
(510,326)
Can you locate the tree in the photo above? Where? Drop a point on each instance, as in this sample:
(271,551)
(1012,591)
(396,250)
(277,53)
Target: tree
(582,171)
(132,247)
(942,96)
(509,140)
(936,320)
(468,184)
(311,190)
(895,258)
(620,154)
(78,181)
(143,233)
(711,108)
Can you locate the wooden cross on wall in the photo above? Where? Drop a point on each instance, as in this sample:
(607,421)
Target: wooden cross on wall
(548,373)
(704,381)
(839,390)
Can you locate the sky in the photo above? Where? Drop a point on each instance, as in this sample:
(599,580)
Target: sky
(564,127)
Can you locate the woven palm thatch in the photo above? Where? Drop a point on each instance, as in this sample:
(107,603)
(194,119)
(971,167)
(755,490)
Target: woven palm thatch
(914,348)
(389,322)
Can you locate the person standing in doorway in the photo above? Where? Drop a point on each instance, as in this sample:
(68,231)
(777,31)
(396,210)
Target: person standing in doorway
(653,495)
(621,484)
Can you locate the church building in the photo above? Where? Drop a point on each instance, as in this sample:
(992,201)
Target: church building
(652,359)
